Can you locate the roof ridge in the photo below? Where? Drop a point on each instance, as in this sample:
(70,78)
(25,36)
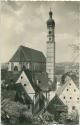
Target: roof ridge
(22,46)
(24,53)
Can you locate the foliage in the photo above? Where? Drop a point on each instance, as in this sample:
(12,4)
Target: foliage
(74,116)
(13,112)
(48,117)
(62,117)
(8,94)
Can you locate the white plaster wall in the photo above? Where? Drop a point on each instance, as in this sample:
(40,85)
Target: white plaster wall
(12,65)
(70,93)
(9,66)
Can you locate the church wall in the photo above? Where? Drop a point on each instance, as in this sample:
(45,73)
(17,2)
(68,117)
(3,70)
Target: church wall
(38,67)
(32,66)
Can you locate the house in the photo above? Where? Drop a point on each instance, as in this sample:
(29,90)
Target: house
(56,107)
(32,89)
(31,59)
(25,78)
(69,92)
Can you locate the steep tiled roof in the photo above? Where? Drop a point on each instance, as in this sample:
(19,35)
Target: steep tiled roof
(20,89)
(56,105)
(24,54)
(29,75)
(72,76)
(42,81)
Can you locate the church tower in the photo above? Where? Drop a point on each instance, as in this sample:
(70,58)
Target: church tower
(50,62)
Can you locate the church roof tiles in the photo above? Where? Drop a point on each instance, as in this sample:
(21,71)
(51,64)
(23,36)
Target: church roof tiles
(24,54)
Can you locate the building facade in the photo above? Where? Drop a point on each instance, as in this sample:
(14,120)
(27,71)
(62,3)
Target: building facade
(69,94)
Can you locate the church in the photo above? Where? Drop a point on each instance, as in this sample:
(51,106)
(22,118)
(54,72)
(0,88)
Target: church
(33,71)
(27,58)
(34,60)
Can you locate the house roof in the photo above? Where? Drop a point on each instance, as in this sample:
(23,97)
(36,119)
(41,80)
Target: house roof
(29,75)
(72,76)
(56,105)
(42,81)
(24,54)
(20,89)
(41,77)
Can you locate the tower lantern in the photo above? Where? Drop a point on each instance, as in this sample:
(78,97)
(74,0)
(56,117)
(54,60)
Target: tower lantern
(50,64)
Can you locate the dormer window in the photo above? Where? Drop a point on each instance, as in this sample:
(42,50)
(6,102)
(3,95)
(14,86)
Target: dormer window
(70,84)
(70,97)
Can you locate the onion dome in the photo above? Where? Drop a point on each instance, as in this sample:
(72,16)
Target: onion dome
(50,22)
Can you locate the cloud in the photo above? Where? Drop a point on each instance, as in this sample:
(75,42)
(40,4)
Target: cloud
(24,23)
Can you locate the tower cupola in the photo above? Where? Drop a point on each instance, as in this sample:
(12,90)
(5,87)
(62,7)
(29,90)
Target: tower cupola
(50,61)
(50,22)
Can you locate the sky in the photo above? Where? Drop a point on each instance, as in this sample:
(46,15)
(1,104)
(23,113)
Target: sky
(24,23)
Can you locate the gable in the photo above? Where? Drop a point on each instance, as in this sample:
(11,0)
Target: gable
(56,105)
(68,80)
(70,95)
(23,79)
(70,87)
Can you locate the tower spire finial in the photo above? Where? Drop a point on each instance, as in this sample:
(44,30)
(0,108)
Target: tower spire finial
(50,13)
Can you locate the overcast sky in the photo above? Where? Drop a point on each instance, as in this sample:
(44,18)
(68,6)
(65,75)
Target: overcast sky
(24,23)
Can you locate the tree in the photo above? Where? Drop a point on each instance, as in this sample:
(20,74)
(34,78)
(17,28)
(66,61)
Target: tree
(12,111)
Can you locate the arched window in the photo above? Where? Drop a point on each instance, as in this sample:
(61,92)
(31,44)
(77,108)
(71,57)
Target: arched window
(15,68)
